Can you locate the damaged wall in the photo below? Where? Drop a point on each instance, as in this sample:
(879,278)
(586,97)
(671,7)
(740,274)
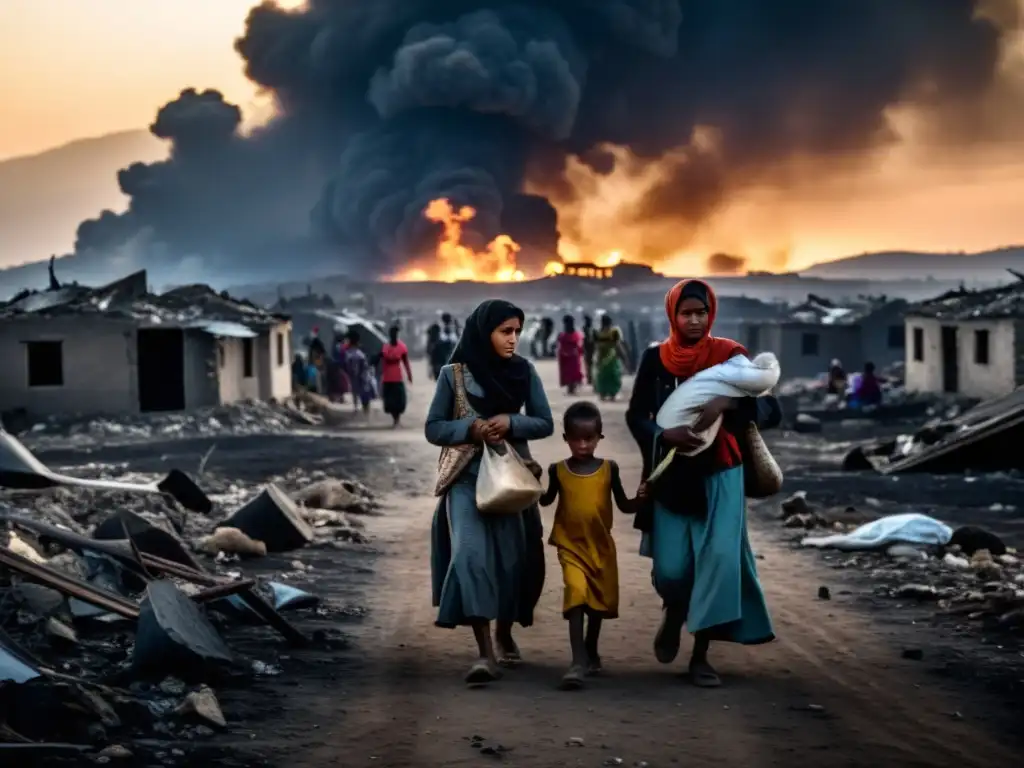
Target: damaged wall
(202,388)
(926,363)
(805,350)
(266,378)
(274,371)
(96,366)
(235,385)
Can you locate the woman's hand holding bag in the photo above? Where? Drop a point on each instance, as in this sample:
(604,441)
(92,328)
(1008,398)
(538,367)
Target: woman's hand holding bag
(505,484)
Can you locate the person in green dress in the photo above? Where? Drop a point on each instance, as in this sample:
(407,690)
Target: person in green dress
(609,359)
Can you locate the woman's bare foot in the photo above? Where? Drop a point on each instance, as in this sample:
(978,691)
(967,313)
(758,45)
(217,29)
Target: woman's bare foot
(703,675)
(573,679)
(482,672)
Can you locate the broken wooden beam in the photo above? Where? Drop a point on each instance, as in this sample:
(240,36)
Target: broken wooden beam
(221,591)
(69,585)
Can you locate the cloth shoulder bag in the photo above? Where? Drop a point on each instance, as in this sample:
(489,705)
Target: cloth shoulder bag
(762,476)
(506,484)
(455,458)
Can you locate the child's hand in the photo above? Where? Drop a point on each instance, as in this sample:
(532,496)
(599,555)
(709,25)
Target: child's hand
(642,492)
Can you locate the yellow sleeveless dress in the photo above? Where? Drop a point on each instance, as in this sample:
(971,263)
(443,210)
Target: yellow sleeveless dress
(582,534)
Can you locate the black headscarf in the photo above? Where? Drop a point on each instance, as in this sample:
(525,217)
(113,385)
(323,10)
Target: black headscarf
(505,382)
(694,290)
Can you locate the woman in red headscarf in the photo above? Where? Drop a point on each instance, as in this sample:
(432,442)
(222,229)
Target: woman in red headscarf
(694,524)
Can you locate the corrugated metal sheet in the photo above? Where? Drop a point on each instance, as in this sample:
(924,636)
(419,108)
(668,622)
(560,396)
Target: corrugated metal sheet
(226,328)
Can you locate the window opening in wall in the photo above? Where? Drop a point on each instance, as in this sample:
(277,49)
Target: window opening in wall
(981,347)
(897,337)
(919,344)
(809,345)
(220,354)
(247,358)
(45,363)
(280,349)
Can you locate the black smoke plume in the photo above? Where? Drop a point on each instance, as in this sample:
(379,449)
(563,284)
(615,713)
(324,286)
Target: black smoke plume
(387,104)
(725,264)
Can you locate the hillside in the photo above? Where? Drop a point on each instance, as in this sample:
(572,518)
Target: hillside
(44,197)
(986,267)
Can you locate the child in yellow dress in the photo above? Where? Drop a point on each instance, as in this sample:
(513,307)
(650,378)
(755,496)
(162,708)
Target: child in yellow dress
(582,532)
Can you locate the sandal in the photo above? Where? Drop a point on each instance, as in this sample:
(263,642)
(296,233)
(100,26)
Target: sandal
(703,675)
(509,657)
(595,667)
(482,672)
(573,679)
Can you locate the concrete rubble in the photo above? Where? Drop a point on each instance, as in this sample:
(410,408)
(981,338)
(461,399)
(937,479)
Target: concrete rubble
(120,612)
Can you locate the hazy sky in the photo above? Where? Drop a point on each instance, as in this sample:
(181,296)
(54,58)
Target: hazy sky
(77,68)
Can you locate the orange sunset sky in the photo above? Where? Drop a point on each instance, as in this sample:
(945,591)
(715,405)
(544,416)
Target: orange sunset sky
(77,68)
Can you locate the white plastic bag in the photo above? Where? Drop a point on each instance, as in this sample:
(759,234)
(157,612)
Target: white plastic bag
(505,485)
(737,377)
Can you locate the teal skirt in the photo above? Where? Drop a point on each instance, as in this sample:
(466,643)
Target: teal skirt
(706,565)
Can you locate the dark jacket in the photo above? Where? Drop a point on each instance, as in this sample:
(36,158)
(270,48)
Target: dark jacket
(681,489)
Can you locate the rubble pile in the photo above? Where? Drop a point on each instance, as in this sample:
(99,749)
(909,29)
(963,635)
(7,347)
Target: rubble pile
(972,578)
(242,418)
(986,438)
(117,608)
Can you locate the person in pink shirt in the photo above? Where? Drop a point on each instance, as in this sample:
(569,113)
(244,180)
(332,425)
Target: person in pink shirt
(570,356)
(393,357)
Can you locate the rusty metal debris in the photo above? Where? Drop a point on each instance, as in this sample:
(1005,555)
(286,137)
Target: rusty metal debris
(68,585)
(148,564)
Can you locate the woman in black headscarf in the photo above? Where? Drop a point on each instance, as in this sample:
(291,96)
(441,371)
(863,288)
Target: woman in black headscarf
(486,568)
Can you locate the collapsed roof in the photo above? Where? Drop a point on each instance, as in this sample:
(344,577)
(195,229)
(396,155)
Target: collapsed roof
(129,299)
(817,310)
(1006,301)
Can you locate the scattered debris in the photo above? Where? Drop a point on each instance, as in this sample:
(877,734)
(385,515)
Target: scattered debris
(921,561)
(204,705)
(984,438)
(824,593)
(272,518)
(233,542)
(174,637)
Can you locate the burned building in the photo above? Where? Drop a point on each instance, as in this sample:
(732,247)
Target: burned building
(967,342)
(120,349)
(809,336)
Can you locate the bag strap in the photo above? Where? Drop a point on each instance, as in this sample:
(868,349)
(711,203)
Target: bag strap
(461,409)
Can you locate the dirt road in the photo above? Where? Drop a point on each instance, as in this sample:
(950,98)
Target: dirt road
(830,691)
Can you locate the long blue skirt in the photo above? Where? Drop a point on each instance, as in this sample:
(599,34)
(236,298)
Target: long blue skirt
(706,567)
(484,567)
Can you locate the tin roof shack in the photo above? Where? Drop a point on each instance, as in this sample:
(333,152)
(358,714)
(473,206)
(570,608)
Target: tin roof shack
(120,349)
(812,334)
(967,342)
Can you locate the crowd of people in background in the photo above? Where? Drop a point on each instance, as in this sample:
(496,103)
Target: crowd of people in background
(341,370)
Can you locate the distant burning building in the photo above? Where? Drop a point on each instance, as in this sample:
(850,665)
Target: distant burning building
(620,273)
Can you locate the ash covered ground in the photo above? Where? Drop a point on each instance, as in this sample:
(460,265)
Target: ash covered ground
(379,685)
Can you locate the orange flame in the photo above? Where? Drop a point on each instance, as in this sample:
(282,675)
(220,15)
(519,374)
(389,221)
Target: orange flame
(455,261)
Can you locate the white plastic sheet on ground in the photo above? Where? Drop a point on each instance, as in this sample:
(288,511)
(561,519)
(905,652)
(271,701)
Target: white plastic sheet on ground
(737,377)
(910,528)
